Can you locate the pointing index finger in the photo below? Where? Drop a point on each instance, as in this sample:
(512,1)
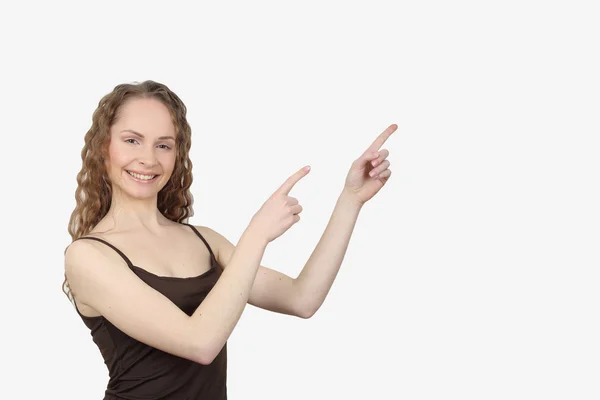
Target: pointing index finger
(383,136)
(292,180)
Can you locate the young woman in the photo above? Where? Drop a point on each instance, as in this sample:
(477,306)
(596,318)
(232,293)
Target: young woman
(160,296)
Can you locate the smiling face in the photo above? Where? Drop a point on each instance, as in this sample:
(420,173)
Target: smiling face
(142,150)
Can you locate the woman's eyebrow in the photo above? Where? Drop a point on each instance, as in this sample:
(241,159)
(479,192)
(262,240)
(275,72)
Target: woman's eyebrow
(142,136)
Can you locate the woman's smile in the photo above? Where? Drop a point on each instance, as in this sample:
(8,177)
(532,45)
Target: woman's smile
(142,178)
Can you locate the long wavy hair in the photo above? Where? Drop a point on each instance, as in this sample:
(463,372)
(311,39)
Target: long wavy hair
(94,191)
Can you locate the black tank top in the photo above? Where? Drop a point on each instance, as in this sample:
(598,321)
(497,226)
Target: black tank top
(138,371)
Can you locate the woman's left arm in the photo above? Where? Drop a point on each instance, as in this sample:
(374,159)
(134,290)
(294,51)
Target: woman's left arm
(317,276)
(368,174)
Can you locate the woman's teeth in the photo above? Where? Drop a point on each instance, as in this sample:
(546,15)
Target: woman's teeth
(141,177)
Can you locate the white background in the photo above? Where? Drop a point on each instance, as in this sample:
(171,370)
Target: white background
(473,274)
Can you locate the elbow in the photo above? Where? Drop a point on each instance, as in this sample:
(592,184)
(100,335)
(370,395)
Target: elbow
(201,358)
(202,355)
(204,358)
(206,355)
(305,305)
(306,308)
(306,313)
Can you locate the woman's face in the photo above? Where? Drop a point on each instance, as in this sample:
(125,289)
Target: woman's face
(142,150)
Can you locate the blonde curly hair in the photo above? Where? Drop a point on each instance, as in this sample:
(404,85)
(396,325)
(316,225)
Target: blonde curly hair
(94,191)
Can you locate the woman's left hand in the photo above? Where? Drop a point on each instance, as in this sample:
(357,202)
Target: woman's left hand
(370,172)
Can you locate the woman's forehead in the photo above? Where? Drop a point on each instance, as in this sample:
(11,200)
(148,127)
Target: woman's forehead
(148,117)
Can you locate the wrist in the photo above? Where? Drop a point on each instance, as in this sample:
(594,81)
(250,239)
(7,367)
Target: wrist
(348,197)
(254,236)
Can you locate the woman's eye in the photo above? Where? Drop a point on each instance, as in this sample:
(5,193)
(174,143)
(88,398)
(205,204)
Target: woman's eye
(162,146)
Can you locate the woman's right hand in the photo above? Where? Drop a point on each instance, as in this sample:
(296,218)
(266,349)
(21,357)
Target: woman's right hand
(280,211)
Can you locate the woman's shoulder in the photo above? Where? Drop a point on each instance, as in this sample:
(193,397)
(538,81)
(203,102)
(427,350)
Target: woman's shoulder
(80,251)
(211,236)
(204,230)
(217,241)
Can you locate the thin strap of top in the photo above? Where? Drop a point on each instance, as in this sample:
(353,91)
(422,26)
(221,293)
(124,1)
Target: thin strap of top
(129,263)
(201,237)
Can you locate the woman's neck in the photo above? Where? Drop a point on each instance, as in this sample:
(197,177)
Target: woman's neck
(128,214)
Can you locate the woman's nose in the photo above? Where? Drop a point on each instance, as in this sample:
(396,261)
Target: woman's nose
(148,158)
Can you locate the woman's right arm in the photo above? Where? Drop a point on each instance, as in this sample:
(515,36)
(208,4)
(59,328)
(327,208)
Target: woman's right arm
(100,278)
(218,314)
(108,285)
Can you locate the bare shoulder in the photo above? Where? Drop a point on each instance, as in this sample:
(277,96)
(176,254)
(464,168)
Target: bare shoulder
(212,237)
(221,246)
(83,259)
(80,252)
